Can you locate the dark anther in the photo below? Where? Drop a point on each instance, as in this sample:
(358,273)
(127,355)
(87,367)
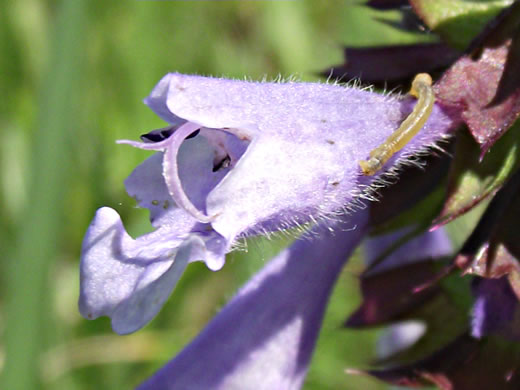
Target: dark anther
(161,134)
(157,135)
(224,163)
(194,134)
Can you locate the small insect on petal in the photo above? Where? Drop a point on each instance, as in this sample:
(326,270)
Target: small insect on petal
(422,90)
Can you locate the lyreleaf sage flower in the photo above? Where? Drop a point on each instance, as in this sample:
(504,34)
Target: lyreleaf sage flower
(238,158)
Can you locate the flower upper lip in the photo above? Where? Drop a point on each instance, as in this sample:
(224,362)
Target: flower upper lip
(303,137)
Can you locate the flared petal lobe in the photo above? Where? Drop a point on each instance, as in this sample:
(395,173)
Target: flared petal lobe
(496,309)
(427,246)
(129,280)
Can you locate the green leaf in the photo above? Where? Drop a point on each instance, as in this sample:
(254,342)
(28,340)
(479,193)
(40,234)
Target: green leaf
(471,180)
(458,21)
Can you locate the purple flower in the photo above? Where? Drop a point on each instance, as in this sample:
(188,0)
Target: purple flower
(426,246)
(260,157)
(496,309)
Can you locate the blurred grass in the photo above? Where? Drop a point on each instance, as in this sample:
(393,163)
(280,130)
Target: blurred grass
(73,75)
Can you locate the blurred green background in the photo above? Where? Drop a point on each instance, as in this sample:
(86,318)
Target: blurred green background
(73,74)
